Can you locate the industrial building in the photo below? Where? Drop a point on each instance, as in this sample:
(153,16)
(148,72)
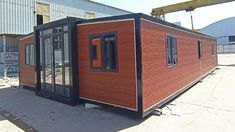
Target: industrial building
(18,17)
(133,62)
(224,31)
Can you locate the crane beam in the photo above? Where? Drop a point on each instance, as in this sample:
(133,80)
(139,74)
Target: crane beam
(188,6)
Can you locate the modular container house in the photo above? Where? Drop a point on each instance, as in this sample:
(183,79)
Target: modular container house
(133,62)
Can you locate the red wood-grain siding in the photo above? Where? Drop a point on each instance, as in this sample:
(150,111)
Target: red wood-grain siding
(27,76)
(159,82)
(118,88)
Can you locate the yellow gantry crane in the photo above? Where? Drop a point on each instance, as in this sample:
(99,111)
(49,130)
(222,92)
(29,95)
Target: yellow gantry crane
(187,6)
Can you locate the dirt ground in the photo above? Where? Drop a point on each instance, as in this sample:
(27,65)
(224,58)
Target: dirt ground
(208,106)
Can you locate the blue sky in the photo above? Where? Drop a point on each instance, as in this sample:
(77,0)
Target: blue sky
(202,16)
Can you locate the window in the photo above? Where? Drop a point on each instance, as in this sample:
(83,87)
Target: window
(43,13)
(89,15)
(29,54)
(103,52)
(171,48)
(199,45)
(231,39)
(39,19)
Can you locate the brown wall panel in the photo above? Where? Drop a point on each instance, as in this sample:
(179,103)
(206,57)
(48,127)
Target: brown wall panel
(118,88)
(160,81)
(27,76)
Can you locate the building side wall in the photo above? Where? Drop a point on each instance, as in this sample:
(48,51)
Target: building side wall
(19,16)
(115,88)
(27,76)
(160,81)
(221,30)
(78,8)
(209,61)
(16,16)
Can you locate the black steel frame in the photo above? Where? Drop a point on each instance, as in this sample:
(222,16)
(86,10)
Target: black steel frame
(72,22)
(72,38)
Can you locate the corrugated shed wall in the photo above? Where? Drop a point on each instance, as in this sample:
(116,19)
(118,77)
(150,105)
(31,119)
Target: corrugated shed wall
(221,30)
(77,8)
(18,17)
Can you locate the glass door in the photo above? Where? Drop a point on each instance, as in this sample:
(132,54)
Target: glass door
(60,68)
(55,65)
(47,82)
(56,71)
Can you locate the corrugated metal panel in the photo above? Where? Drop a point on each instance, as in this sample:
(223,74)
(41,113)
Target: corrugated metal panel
(17,16)
(220,29)
(77,8)
(223,40)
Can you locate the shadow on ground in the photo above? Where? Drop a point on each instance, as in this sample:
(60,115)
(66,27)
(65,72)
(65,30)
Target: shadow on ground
(2,118)
(229,65)
(47,115)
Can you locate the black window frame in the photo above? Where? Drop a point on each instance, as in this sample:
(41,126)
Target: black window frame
(171,51)
(200,49)
(102,37)
(30,63)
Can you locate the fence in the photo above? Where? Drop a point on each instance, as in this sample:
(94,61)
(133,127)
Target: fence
(11,63)
(229,48)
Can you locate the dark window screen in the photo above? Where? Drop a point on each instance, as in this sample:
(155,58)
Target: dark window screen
(29,54)
(94,52)
(39,19)
(231,38)
(199,45)
(110,52)
(171,49)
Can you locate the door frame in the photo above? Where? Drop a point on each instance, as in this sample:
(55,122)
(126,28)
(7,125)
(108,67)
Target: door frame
(72,41)
(52,89)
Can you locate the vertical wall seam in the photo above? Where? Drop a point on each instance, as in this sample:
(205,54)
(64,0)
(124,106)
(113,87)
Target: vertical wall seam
(139,64)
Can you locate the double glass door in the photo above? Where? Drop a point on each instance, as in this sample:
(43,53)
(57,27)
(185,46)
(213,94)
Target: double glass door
(55,64)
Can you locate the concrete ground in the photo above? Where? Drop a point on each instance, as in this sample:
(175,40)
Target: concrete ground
(209,106)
